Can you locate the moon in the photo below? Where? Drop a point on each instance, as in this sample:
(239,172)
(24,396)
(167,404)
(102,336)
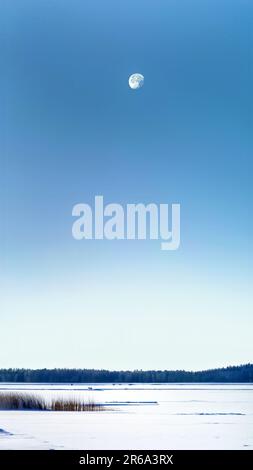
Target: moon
(136,81)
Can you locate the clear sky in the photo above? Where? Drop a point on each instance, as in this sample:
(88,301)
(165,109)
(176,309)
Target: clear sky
(71,128)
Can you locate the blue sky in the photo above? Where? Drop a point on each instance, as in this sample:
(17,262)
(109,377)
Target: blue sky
(71,128)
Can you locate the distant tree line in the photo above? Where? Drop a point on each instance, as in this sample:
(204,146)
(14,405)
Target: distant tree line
(242,373)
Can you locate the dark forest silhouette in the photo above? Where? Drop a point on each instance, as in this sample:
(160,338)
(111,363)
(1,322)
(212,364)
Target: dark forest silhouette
(242,373)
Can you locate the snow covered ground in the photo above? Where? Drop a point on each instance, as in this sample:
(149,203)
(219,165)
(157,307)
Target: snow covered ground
(136,416)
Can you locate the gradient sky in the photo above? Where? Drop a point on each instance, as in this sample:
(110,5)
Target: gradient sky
(71,128)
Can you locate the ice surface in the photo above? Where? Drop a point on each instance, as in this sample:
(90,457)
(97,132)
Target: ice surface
(182,416)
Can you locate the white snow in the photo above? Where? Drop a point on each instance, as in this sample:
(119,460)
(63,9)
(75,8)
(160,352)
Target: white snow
(186,416)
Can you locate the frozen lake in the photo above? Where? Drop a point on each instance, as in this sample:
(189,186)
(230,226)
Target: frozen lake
(136,416)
